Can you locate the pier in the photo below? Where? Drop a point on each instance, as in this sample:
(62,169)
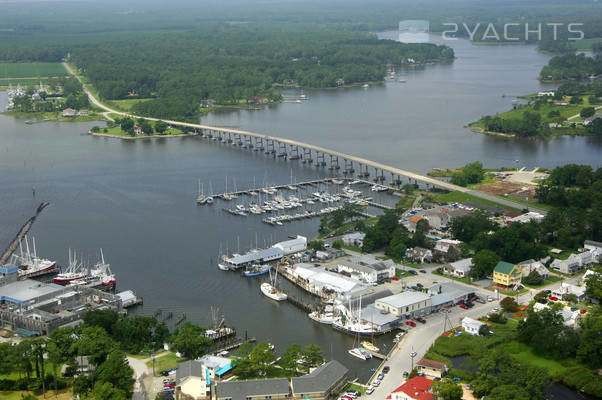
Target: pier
(300,303)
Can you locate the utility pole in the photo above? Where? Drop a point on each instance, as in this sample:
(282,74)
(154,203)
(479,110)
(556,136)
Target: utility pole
(412,355)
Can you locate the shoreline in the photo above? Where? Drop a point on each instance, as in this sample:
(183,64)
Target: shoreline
(108,135)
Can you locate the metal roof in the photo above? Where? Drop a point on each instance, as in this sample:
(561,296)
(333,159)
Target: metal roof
(253,256)
(321,379)
(27,290)
(372,315)
(240,390)
(404,299)
(441,299)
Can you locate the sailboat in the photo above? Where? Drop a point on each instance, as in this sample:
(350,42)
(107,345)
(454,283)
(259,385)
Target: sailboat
(325,316)
(29,263)
(201,198)
(270,290)
(74,271)
(358,351)
(221,265)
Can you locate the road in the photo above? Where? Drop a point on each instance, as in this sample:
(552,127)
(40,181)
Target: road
(362,161)
(420,338)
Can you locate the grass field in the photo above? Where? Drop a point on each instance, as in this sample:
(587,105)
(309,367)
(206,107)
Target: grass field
(18,395)
(167,361)
(31,70)
(116,131)
(125,105)
(585,44)
(460,197)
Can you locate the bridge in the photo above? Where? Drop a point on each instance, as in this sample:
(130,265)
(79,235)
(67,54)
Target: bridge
(309,153)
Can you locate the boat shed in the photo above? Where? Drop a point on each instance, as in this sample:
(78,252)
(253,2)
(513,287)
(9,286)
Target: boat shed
(255,257)
(292,246)
(440,301)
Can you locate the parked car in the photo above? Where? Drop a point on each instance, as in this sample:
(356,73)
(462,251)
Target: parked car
(376,383)
(370,390)
(420,285)
(421,320)
(405,373)
(469,304)
(436,379)
(542,301)
(489,298)
(480,300)
(463,306)
(548,291)
(386,369)
(422,271)
(553,298)
(496,309)
(411,323)
(413,272)
(380,376)
(395,278)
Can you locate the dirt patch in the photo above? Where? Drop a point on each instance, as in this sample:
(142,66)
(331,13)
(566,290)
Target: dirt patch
(517,190)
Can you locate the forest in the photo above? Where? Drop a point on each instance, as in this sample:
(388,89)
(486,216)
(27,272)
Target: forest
(572,66)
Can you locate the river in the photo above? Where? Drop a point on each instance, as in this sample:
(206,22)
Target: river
(135,199)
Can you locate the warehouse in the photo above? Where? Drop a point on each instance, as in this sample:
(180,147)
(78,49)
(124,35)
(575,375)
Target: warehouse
(292,246)
(321,281)
(405,304)
(255,257)
(454,290)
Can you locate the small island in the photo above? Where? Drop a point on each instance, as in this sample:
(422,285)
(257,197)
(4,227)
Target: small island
(128,128)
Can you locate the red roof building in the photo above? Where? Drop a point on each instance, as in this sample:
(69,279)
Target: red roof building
(417,388)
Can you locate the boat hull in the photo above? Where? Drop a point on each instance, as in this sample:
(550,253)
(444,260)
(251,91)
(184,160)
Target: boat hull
(268,291)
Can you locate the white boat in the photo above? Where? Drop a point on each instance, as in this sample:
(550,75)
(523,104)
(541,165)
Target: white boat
(223,267)
(270,291)
(337,181)
(74,272)
(365,85)
(29,263)
(360,353)
(369,346)
(323,318)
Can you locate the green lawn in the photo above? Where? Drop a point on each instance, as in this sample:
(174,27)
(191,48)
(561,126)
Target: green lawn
(466,279)
(399,273)
(125,105)
(546,282)
(167,361)
(18,394)
(585,44)
(461,197)
(116,131)
(31,70)
(357,249)
(355,386)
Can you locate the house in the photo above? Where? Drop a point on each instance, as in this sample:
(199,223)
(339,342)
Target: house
(409,304)
(83,113)
(460,268)
(442,246)
(595,248)
(138,130)
(339,82)
(546,94)
(216,366)
(432,368)
(572,264)
(69,113)
(412,222)
(354,239)
(368,269)
(526,267)
(527,217)
(471,326)
(324,382)
(506,274)
(439,218)
(567,288)
(419,254)
(273,389)
(569,317)
(417,388)
(193,380)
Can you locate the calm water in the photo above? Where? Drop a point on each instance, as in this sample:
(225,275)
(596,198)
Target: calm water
(135,199)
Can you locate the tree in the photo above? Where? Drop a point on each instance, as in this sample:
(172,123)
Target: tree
(106,391)
(570,298)
(117,373)
(534,278)
(289,359)
(590,346)
(316,245)
(313,355)
(466,228)
(593,286)
(147,127)
(337,244)
(160,127)
(484,330)
(546,333)
(509,304)
(448,390)
(262,356)
(483,263)
(587,112)
(127,124)
(189,340)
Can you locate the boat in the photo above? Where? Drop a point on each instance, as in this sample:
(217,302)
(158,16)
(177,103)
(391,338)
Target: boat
(323,318)
(271,292)
(369,346)
(360,353)
(102,272)
(365,85)
(73,272)
(256,270)
(337,181)
(29,264)
(223,267)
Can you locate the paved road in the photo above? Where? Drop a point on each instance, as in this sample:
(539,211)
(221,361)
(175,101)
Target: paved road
(394,170)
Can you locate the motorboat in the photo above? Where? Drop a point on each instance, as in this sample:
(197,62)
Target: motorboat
(360,353)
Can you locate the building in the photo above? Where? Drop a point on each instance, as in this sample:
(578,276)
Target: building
(408,304)
(471,326)
(354,239)
(595,248)
(292,246)
(324,382)
(443,246)
(432,368)
(417,388)
(527,217)
(506,274)
(69,113)
(440,301)
(460,268)
(138,130)
(317,280)
(272,389)
(526,267)
(455,290)
(255,257)
(193,380)
(419,254)
(381,322)
(439,218)
(412,222)
(83,113)
(567,288)
(368,269)
(216,366)
(574,263)
(546,94)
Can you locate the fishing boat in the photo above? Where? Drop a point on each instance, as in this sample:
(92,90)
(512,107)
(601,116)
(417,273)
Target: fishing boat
(29,263)
(360,353)
(102,272)
(271,289)
(322,318)
(256,270)
(73,272)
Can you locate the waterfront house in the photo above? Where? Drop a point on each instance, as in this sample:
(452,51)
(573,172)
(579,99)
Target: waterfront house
(69,113)
(506,274)
(595,248)
(368,269)
(272,389)
(412,222)
(472,326)
(417,388)
(409,304)
(324,382)
(432,368)
(138,130)
(460,268)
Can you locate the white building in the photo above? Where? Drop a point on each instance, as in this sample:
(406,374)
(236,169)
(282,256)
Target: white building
(526,267)
(354,239)
(292,246)
(460,268)
(318,280)
(409,304)
(368,269)
(567,288)
(595,248)
(527,217)
(575,262)
(471,326)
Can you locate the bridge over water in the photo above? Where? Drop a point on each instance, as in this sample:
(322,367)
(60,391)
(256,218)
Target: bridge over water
(309,153)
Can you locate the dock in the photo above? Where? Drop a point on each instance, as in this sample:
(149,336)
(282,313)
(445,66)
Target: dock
(231,345)
(300,303)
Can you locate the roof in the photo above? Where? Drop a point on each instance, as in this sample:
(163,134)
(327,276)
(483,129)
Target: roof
(321,379)
(240,390)
(462,265)
(374,316)
(415,218)
(416,388)
(255,256)
(189,368)
(425,362)
(441,299)
(504,267)
(214,362)
(27,290)
(404,299)
(473,323)
(452,289)
(593,243)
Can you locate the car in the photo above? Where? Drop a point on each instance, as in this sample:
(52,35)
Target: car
(469,386)
(370,390)
(463,306)
(413,272)
(411,323)
(480,300)
(345,397)
(395,278)
(421,320)
(436,379)
(542,301)
(354,393)
(422,271)
(496,309)
(553,298)
(376,383)
(420,285)
(583,311)
(405,373)
(386,369)
(469,304)
(380,376)
(415,288)
(489,298)
(165,373)
(548,291)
